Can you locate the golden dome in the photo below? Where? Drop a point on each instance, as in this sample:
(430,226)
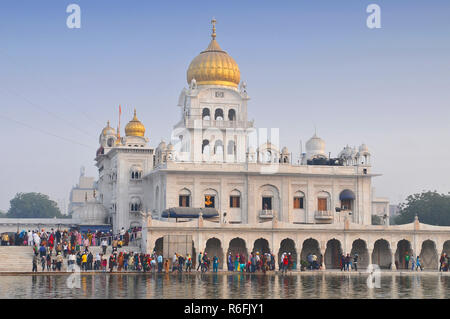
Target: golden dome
(108,130)
(135,127)
(214,66)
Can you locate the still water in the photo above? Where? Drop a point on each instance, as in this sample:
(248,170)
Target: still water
(314,285)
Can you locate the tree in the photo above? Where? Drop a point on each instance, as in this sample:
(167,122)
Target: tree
(33,205)
(431,208)
(2,214)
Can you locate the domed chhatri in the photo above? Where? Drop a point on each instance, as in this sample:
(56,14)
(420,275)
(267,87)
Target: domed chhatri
(214,66)
(108,130)
(135,127)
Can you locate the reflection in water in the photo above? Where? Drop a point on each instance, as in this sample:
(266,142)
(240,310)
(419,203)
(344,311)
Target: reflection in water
(241,285)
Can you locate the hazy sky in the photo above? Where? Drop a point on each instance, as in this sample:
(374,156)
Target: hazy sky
(306,63)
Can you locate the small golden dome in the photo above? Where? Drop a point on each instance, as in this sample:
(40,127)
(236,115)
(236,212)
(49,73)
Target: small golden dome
(214,66)
(108,130)
(135,127)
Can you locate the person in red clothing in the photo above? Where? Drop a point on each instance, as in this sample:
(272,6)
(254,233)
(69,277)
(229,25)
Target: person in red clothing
(285,264)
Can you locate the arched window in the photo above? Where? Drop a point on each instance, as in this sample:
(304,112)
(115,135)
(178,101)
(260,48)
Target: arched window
(205,144)
(231,149)
(210,198)
(136,172)
(218,147)
(347,197)
(235,199)
(299,200)
(232,115)
(184,198)
(218,115)
(206,114)
(110,142)
(323,199)
(135,204)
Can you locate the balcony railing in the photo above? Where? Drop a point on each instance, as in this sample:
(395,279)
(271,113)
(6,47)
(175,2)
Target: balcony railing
(266,213)
(324,214)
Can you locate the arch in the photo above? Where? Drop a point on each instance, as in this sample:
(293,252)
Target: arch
(359,247)
(429,258)
(347,198)
(261,245)
(231,148)
(206,115)
(403,248)
(159,246)
(184,197)
(299,200)
(382,254)
(446,247)
(269,197)
(310,246)
(287,245)
(205,145)
(218,114)
(237,246)
(218,148)
(135,204)
(211,198)
(214,248)
(333,254)
(231,115)
(323,201)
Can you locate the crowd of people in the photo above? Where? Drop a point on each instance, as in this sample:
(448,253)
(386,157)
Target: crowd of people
(52,248)
(348,263)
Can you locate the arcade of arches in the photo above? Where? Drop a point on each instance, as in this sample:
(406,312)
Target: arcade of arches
(385,254)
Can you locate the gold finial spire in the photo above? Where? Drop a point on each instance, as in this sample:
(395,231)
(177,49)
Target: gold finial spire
(213,22)
(134,118)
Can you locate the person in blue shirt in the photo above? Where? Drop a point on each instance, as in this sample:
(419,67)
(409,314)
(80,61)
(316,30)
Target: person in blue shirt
(215,264)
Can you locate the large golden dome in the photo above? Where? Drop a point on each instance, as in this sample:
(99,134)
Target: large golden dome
(135,127)
(214,66)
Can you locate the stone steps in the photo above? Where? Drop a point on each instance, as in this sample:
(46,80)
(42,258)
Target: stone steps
(20,258)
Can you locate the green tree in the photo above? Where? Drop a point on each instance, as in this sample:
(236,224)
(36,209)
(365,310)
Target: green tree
(431,208)
(33,205)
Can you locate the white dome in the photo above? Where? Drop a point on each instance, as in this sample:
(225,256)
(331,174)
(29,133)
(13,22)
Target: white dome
(346,152)
(363,148)
(315,146)
(285,151)
(162,145)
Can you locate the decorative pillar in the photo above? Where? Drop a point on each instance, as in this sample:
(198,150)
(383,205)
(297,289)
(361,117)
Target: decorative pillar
(393,267)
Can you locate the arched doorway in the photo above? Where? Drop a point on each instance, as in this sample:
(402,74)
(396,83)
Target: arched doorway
(359,247)
(159,246)
(214,248)
(261,246)
(237,246)
(310,246)
(429,256)
(333,254)
(288,246)
(403,248)
(381,254)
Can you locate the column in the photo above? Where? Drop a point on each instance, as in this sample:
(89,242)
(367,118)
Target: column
(370,251)
(393,267)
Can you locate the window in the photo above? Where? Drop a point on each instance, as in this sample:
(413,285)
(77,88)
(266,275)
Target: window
(346,204)
(209,201)
(267,203)
(184,201)
(298,203)
(322,204)
(235,201)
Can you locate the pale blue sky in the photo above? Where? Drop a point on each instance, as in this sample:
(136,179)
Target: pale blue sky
(306,63)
